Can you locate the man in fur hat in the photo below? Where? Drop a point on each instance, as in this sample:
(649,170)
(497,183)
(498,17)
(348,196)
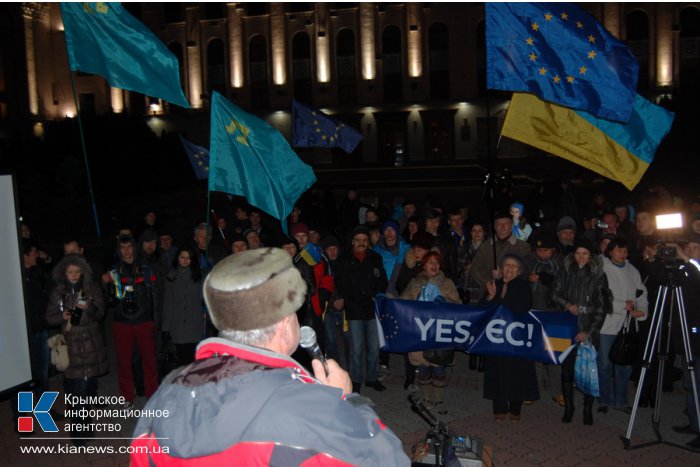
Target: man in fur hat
(244,400)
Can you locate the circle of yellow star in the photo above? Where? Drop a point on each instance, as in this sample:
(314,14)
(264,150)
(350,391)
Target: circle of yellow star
(564,16)
(579,24)
(570,79)
(533,57)
(529,41)
(583,70)
(556,79)
(591,39)
(543,71)
(591,54)
(548,16)
(535,27)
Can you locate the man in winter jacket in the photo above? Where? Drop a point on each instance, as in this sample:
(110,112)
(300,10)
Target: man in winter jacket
(133,290)
(244,401)
(360,277)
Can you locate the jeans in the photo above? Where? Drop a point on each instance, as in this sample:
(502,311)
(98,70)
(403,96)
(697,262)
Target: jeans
(333,324)
(617,396)
(362,331)
(689,398)
(40,357)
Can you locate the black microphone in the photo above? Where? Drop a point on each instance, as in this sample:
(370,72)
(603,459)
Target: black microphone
(307,341)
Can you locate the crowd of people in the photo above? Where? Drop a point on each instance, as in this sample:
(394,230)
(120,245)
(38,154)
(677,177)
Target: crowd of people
(601,266)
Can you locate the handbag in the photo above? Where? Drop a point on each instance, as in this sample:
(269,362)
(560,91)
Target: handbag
(440,357)
(59,350)
(624,348)
(586,370)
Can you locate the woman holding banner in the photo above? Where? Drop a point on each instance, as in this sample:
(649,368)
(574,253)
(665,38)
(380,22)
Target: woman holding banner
(431,284)
(509,381)
(582,289)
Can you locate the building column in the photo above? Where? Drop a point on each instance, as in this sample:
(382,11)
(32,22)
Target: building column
(235,39)
(664,46)
(414,46)
(277,44)
(323,56)
(367,46)
(611,18)
(31,11)
(194,60)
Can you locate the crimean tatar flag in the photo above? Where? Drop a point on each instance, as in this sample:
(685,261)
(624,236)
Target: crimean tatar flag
(250,158)
(561,54)
(104,39)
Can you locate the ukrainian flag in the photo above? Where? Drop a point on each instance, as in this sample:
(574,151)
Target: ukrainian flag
(558,338)
(619,151)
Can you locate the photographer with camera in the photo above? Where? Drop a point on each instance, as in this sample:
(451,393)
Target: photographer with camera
(689,281)
(76,305)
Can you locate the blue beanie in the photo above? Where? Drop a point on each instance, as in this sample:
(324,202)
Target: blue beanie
(520,207)
(390,223)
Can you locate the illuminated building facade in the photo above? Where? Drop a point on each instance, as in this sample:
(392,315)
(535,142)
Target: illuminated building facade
(407,75)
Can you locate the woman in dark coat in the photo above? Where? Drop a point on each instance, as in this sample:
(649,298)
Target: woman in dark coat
(77,306)
(183,316)
(582,289)
(509,381)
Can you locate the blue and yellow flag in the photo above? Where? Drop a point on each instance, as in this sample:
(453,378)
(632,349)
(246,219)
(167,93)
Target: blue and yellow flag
(199,158)
(619,151)
(250,158)
(104,39)
(561,54)
(313,128)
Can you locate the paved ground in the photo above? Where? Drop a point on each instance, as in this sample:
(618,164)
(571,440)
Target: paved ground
(539,439)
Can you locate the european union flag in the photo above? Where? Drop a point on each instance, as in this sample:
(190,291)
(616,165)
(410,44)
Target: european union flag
(313,128)
(104,39)
(199,158)
(561,54)
(250,158)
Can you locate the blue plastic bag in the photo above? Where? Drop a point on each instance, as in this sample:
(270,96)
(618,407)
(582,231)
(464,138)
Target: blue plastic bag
(430,293)
(586,370)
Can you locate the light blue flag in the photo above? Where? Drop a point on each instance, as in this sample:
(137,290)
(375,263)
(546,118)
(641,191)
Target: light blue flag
(250,158)
(104,39)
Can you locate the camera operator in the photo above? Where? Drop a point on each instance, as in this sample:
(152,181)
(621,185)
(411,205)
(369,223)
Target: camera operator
(689,280)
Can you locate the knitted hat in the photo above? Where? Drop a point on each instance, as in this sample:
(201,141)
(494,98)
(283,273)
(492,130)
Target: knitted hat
(423,240)
(299,227)
(585,243)
(253,289)
(519,207)
(566,223)
(148,235)
(432,214)
(359,230)
(544,239)
(330,240)
(390,224)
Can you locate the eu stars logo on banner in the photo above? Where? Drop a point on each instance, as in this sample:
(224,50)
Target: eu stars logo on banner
(250,158)
(104,39)
(25,404)
(313,128)
(561,54)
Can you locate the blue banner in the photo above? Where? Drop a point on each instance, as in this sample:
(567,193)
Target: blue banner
(409,325)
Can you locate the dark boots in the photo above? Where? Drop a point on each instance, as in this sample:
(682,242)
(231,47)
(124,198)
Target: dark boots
(588,409)
(568,392)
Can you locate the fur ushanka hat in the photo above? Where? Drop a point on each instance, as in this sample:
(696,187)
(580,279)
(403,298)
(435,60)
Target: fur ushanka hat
(253,289)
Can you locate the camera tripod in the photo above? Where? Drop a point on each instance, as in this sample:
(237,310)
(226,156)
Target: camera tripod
(670,287)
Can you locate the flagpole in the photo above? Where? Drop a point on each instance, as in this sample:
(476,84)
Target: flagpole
(491,181)
(85,158)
